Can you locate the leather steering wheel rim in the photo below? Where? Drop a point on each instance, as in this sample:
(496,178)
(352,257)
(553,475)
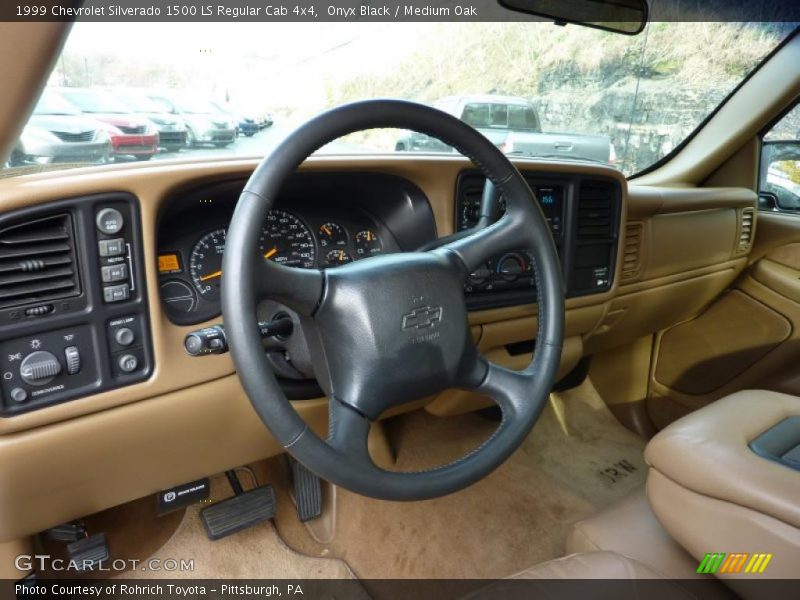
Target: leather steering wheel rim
(399,321)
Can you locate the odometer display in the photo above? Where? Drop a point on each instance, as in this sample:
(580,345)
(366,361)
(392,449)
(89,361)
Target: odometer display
(286,240)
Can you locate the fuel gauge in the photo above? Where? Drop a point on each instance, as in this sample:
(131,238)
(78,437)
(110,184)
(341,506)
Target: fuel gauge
(367,243)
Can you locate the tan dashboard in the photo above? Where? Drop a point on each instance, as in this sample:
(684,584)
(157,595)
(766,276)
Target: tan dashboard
(678,248)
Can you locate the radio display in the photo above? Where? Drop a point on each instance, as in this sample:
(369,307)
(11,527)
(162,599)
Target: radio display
(551,199)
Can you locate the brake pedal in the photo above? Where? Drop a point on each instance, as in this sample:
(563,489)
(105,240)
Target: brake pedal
(307,492)
(89,552)
(240,512)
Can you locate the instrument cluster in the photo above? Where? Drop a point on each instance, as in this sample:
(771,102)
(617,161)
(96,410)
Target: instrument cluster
(190,268)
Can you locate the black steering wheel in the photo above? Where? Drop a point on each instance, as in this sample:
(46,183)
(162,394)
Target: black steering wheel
(392,328)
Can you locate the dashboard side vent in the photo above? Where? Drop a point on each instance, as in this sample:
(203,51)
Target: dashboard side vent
(595,210)
(632,251)
(746,229)
(37,261)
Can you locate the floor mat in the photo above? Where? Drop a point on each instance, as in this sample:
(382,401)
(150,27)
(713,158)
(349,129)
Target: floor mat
(577,460)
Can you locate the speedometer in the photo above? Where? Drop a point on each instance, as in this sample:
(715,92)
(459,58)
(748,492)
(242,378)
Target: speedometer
(205,264)
(286,240)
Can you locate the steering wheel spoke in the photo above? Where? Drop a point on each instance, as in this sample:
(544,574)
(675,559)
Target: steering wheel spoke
(474,250)
(504,386)
(300,289)
(348,431)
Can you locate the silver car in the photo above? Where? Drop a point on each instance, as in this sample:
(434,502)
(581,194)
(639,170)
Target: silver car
(205,123)
(56,132)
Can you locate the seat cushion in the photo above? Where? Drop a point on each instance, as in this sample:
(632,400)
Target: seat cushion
(707,452)
(579,575)
(630,528)
(590,565)
(712,493)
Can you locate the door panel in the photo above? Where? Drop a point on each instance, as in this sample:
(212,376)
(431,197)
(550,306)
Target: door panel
(748,338)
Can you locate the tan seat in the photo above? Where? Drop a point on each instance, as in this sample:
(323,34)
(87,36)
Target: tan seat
(712,493)
(590,565)
(630,528)
(577,575)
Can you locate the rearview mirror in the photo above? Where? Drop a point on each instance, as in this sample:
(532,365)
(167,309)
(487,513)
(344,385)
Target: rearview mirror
(620,16)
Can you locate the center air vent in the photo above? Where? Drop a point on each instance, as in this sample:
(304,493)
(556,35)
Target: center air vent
(595,211)
(37,261)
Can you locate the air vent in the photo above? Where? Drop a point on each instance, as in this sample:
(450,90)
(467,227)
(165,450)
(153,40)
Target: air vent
(595,211)
(632,251)
(746,229)
(37,261)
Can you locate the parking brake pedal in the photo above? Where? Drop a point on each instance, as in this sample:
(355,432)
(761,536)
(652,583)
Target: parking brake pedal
(244,510)
(89,552)
(307,492)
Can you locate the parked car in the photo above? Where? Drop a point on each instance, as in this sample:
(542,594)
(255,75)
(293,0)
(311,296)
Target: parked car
(513,125)
(205,122)
(247,124)
(131,134)
(56,132)
(171,128)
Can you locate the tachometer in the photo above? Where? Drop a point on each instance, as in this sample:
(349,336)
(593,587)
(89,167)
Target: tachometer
(205,264)
(286,240)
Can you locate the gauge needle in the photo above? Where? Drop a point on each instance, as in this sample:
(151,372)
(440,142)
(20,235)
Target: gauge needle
(271,253)
(211,276)
(327,229)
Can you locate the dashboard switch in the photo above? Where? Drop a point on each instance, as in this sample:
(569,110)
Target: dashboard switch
(116,293)
(128,363)
(113,273)
(109,221)
(73,360)
(115,247)
(19,395)
(39,368)
(124,336)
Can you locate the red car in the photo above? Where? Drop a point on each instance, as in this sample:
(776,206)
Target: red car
(131,135)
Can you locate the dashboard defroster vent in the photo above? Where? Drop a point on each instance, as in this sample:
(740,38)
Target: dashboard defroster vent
(595,210)
(746,223)
(37,261)
(632,251)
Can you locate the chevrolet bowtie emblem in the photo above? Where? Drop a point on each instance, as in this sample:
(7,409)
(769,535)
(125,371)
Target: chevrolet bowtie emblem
(422,317)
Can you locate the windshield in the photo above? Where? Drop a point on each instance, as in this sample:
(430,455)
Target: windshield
(195,107)
(533,89)
(53,104)
(90,101)
(141,104)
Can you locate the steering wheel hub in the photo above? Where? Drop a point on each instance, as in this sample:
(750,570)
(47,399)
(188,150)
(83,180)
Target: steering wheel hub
(394,329)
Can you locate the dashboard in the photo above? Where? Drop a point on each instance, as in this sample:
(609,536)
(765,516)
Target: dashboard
(322,221)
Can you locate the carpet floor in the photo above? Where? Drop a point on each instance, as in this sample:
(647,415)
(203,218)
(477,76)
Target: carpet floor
(577,460)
